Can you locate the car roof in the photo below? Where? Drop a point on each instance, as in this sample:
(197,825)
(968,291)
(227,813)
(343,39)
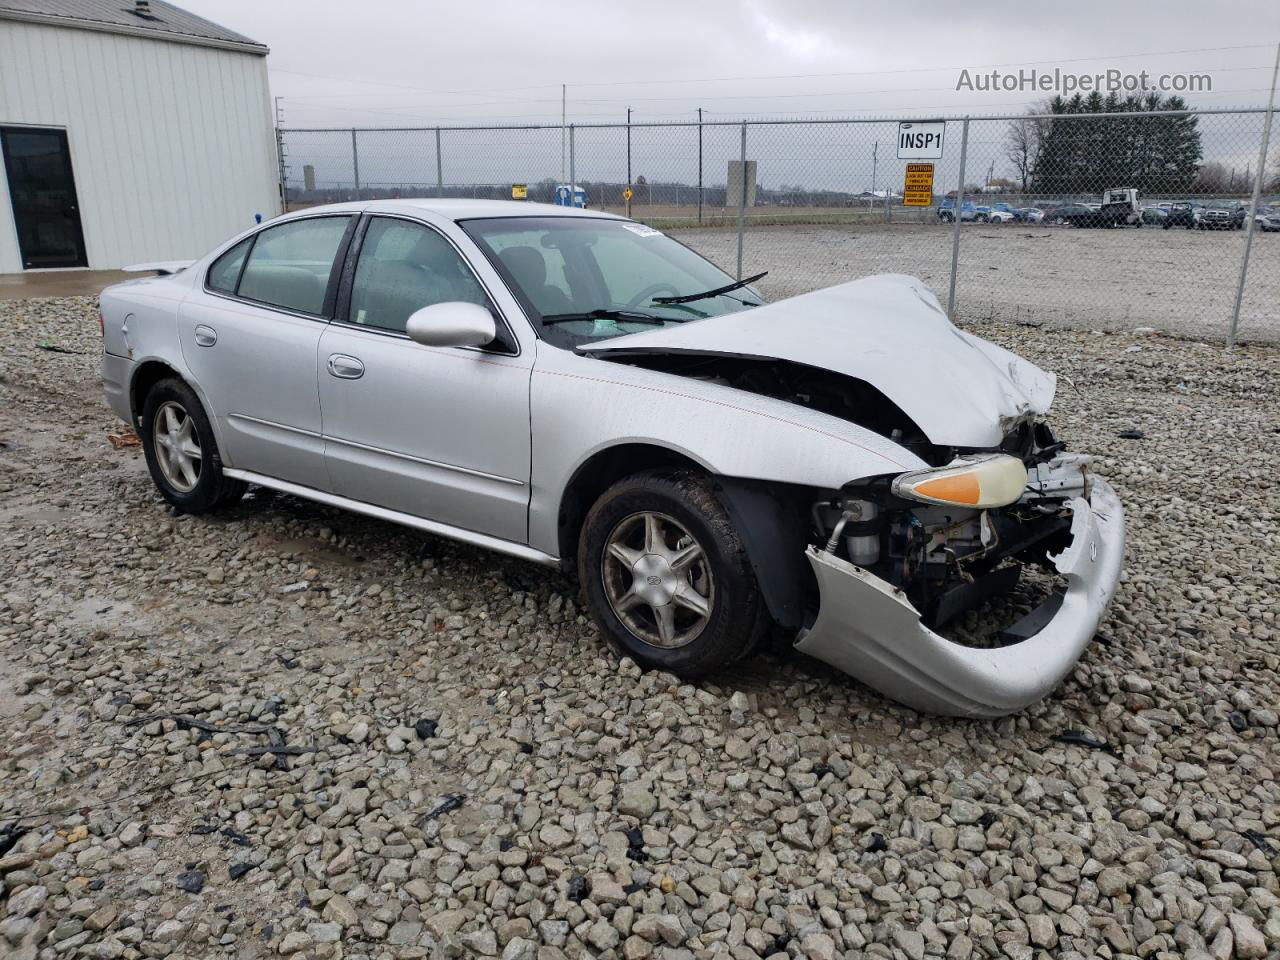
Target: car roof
(458,209)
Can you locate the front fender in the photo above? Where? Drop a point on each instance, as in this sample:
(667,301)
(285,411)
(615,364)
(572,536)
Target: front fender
(581,405)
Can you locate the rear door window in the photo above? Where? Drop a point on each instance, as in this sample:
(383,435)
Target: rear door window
(290,265)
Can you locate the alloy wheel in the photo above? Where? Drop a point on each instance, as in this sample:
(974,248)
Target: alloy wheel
(177,446)
(657,580)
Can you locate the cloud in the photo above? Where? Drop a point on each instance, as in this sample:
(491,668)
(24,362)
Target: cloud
(795,41)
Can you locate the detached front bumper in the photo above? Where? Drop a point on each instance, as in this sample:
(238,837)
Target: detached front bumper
(868,628)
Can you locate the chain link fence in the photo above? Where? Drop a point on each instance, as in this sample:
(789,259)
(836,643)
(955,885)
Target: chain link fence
(1094,220)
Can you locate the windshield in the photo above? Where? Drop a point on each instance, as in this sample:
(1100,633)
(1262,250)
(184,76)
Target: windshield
(585,279)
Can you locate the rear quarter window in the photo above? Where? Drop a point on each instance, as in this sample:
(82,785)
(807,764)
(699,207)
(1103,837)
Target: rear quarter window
(225,272)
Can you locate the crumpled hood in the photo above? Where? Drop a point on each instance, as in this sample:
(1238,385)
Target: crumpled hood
(888,330)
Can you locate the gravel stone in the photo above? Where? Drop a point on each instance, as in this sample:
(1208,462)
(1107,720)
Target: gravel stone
(478,775)
(28,901)
(637,800)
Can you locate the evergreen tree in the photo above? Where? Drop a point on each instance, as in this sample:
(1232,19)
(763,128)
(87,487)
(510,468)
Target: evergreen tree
(1156,154)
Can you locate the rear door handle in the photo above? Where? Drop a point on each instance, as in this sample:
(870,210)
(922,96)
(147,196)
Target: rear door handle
(206,336)
(344,367)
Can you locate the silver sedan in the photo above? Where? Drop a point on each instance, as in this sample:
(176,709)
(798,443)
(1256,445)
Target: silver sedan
(845,467)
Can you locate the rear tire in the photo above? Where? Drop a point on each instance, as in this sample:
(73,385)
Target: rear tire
(181,451)
(667,577)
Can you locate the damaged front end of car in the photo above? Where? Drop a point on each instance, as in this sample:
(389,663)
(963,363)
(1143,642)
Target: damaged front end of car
(988,514)
(898,559)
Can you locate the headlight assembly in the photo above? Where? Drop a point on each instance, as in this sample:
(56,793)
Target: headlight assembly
(980,481)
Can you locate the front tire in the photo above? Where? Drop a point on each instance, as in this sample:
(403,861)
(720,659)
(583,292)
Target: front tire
(181,451)
(667,577)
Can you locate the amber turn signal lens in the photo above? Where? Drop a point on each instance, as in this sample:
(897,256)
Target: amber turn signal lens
(959,488)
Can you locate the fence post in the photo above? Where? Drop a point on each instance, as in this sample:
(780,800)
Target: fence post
(957,212)
(355,161)
(284,180)
(699,164)
(742,199)
(439,167)
(573,187)
(1253,204)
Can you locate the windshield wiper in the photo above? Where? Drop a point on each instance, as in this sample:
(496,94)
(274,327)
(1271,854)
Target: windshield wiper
(727,288)
(633,316)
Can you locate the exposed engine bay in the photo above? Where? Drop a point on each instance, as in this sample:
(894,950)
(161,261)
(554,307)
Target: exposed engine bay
(945,558)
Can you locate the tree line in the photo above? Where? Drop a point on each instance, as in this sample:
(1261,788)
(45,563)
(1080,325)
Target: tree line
(1076,154)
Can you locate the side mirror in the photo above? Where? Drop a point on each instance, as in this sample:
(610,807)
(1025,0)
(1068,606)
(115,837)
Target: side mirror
(454,324)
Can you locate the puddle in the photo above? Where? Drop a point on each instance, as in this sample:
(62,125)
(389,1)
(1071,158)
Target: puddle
(101,612)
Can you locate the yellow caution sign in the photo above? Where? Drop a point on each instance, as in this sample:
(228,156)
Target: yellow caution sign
(519,191)
(627,194)
(917,191)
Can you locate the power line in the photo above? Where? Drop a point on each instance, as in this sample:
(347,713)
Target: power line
(431,119)
(784,76)
(625,99)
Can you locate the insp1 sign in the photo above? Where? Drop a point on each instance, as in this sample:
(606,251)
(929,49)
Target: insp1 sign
(920,139)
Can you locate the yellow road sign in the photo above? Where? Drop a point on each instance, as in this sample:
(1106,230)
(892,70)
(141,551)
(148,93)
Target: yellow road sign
(627,194)
(917,191)
(519,191)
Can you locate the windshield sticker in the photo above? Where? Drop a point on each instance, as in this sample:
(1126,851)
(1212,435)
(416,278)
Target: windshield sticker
(640,230)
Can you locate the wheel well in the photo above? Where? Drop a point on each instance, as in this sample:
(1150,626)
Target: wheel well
(144,378)
(601,471)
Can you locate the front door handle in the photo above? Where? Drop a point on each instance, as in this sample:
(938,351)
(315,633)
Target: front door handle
(205,336)
(345,367)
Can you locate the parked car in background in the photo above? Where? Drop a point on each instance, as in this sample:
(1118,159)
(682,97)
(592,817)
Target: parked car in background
(1268,219)
(845,465)
(1067,214)
(1182,214)
(1119,208)
(1030,214)
(947,211)
(1223,215)
(999,213)
(1155,214)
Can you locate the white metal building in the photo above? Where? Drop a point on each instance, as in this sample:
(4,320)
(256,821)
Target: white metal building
(129,132)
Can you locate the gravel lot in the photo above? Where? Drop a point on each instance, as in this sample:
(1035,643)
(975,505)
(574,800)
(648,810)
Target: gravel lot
(1177,281)
(466,771)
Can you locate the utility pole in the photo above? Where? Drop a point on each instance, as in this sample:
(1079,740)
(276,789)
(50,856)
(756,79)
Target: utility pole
(563,128)
(875,158)
(628,146)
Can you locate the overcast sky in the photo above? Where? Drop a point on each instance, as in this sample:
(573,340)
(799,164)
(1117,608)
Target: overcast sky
(400,62)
